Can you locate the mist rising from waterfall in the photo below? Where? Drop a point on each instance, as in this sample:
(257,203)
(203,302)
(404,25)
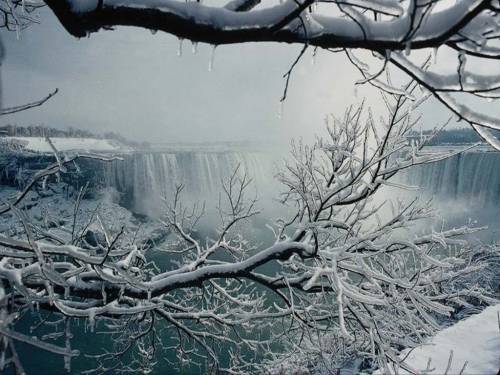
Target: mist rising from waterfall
(464,188)
(146,178)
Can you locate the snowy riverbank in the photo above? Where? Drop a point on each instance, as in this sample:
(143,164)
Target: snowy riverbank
(40,144)
(474,343)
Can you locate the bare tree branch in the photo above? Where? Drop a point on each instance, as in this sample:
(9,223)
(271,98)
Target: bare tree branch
(24,107)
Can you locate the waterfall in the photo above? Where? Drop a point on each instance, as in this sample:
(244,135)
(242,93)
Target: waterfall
(471,178)
(145,177)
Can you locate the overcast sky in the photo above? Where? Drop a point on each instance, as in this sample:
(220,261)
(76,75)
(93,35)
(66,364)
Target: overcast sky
(133,82)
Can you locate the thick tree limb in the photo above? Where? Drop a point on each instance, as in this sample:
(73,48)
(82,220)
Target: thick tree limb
(229,25)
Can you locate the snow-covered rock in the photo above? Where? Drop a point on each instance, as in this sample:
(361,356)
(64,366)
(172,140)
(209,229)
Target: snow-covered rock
(475,340)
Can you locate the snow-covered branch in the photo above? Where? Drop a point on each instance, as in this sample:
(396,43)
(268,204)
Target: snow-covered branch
(243,21)
(386,28)
(344,269)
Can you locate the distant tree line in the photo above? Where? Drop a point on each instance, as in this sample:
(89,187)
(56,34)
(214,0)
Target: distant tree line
(44,131)
(70,132)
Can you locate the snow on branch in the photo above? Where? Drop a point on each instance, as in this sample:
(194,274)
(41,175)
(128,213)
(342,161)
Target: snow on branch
(243,21)
(342,264)
(386,28)
(51,170)
(17,15)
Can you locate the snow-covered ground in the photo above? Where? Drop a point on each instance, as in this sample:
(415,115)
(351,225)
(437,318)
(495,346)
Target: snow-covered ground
(475,340)
(40,144)
(54,212)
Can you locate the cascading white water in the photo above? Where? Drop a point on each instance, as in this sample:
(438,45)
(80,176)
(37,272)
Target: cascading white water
(465,189)
(145,177)
(471,178)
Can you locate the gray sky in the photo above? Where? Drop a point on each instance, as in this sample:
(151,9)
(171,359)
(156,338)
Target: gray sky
(133,82)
